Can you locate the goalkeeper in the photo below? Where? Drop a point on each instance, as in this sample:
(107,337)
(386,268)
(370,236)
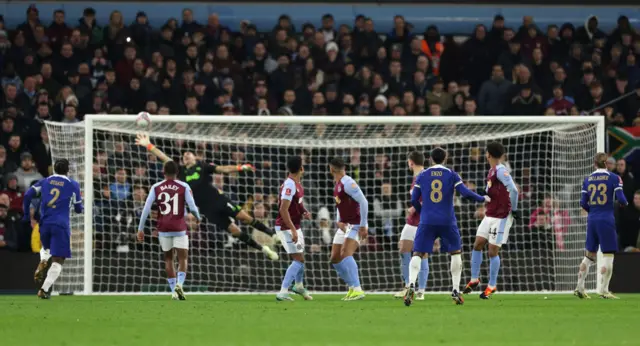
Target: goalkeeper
(215,206)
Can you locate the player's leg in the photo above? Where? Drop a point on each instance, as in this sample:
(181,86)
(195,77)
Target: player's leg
(591,248)
(223,213)
(295,271)
(181,245)
(351,244)
(337,261)
(452,244)
(422,247)
(608,246)
(497,237)
(405,245)
(60,249)
(247,219)
(482,236)
(45,256)
(166,244)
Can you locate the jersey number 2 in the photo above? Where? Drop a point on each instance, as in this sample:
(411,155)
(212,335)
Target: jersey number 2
(168,204)
(601,197)
(436,191)
(56,194)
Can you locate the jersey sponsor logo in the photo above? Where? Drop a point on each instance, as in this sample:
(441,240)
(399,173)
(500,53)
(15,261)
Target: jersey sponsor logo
(194,176)
(287,192)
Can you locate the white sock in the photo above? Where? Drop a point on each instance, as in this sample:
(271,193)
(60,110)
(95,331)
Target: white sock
(583,272)
(44,255)
(414,269)
(607,271)
(357,289)
(52,276)
(456,271)
(284,290)
(299,285)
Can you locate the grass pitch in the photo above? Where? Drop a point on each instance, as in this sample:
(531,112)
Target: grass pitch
(261,321)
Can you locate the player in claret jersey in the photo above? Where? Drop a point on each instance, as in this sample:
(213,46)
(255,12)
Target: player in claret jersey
(351,217)
(598,192)
(415,162)
(214,205)
(499,216)
(171,196)
(291,210)
(432,197)
(58,193)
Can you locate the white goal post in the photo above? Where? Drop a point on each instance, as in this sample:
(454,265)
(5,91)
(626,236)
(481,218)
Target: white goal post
(548,158)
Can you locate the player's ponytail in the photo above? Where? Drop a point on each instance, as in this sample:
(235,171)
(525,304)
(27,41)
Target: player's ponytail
(601,160)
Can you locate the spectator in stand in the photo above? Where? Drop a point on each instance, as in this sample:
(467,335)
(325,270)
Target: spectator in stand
(9,229)
(14,192)
(493,93)
(27,173)
(629,225)
(120,190)
(629,183)
(550,217)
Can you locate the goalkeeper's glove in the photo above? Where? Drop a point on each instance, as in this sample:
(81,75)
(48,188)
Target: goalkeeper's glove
(516,214)
(247,167)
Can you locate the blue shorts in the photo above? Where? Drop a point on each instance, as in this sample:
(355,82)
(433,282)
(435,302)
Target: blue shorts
(57,239)
(602,233)
(426,235)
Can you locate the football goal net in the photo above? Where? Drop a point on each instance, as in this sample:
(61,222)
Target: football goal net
(547,156)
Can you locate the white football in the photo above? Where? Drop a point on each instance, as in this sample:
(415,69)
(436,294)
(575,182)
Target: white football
(143,120)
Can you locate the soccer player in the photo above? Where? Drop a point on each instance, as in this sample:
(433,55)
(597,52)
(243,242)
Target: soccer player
(415,162)
(351,217)
(214,205)
(171,196)
(436,187)
(291,210)
(598,192)
(499,216)
(58,193)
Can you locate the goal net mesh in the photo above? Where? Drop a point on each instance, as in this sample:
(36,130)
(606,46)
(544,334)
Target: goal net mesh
(547,161)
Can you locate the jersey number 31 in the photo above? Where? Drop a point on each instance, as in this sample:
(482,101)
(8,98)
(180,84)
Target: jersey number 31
(168,203)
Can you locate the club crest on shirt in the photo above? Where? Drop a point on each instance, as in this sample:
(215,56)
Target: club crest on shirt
(506,174)
(489,184)
(287,192)
(354,185)
(339,188)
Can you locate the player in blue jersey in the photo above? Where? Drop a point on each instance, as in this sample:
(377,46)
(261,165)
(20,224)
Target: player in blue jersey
(58,193)
(598,192)
(436,186)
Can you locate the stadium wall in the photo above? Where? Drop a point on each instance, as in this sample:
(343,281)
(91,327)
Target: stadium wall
(122,272)
(450,19)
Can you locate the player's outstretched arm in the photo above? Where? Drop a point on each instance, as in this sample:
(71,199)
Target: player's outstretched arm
(247,167)
(466,193)
(143,141)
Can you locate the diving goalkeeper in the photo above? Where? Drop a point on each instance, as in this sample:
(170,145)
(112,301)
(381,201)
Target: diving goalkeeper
(211,202)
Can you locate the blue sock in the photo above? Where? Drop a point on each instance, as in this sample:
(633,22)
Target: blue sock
(494,269)
(181,277)
(406,258)
(342,272)
(172,284)
(290,275)
(476,262)
(300,275)
(423,275)
(353,271)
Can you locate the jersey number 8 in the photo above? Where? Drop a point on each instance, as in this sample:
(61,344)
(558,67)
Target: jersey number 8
(168,204)
(436,191)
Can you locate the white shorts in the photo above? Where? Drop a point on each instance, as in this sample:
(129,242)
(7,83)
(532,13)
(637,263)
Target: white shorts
(408,232)
(288,244)
(352,233)
(495,230)
(168,243)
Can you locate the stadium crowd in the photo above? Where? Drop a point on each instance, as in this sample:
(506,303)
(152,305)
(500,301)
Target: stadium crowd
(55,68)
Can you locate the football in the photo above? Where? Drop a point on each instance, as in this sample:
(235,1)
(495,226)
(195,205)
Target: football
(143,120)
